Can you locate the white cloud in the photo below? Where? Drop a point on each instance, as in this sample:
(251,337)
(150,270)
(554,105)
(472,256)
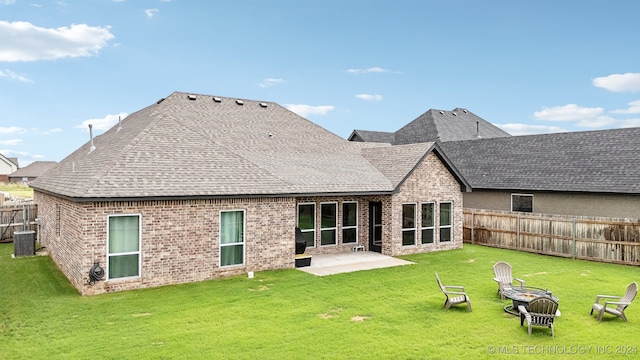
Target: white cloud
(374,69)
(11,75)
(306,110)
(7,2)
(369,97)
(12,130)
(10,142)
(619,82)
(569,112)
(102,124)
(23,41)
(634,108)
(627,123)
(270,82)
(151,12)
(52,131)
(598,122)
(526,129)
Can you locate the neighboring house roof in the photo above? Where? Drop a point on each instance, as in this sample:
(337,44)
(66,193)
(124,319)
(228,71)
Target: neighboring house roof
(33,170)
(435,126)
(371,136)
(604,161)
(197,145)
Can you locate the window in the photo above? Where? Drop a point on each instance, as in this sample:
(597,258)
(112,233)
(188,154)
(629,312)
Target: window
(123,238)
(328,223)
(349,222)
(408,224)
(445,222)
(522,202)
(231,238)
(307,222)
(428,223)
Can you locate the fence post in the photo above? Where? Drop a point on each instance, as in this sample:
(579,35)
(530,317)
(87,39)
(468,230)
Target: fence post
(518,232)
(573,237)
(473,229)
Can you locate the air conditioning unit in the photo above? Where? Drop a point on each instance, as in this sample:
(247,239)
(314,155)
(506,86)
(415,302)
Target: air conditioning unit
(24,243)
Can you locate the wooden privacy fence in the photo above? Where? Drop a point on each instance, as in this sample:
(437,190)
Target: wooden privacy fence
(17,218)
(599,239)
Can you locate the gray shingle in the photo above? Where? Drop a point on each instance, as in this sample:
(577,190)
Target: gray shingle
(34,169)
(602,161)
(182,147)
(443,126)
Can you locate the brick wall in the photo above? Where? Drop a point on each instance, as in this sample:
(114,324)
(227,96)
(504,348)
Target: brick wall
(431,181)
(179,238)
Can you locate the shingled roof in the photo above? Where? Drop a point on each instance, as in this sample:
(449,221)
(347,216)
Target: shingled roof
(604,161)
(35,169)
(435,126)
(190,145)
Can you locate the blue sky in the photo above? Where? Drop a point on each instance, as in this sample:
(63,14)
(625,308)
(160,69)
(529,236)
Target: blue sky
(526,66)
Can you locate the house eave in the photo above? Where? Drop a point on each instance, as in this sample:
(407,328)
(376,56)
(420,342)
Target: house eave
(215,197)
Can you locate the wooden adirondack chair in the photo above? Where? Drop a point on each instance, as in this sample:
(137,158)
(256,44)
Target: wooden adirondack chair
(541,311)
(616,304)
(455,294)
(503,276)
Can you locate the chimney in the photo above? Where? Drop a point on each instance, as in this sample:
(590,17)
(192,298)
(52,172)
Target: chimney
(119,124)
(91,146)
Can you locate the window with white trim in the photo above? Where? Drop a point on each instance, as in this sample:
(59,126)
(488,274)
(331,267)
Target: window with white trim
(307,222)
(522,202)
(328,223)
(428,222)
(446,217)
(123,246)
(231,237)
(408,224)
(349,222)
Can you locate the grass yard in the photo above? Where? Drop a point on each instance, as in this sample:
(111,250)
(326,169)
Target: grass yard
(17,189)
(392,313)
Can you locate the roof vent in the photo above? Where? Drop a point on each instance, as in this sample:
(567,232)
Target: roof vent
(159,101)
(119,124)
(191,97)
(217,99)
(465,111)
(441,112)
(264,105)
(239,102)
(454,114)
(91,146)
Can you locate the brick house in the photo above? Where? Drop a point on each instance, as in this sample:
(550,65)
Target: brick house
(7,167)
(251,173)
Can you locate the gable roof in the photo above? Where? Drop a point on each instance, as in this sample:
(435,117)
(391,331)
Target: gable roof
(191,145)
(435,126)
(11,163)
(35,169)
(602,161)
(371,136)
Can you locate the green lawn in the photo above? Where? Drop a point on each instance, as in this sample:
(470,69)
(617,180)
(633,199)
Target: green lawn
(393,313)
(17,189)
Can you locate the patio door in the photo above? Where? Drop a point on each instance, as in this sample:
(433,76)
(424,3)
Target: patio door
(375,226)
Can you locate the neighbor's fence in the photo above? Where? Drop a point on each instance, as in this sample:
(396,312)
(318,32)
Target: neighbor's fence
(17,218)
(599,239)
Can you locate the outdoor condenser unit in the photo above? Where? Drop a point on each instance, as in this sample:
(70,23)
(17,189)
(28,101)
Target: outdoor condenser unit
(24,243)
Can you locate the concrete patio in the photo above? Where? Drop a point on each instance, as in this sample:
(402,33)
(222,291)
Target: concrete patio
(329,264)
